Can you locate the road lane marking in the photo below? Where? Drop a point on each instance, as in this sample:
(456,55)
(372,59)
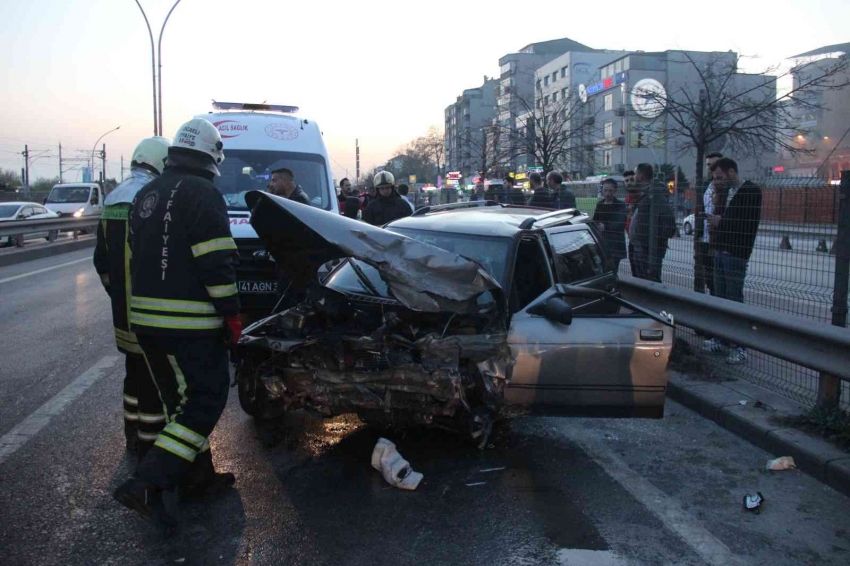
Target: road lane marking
(667,509)
(29,427)
(37,271)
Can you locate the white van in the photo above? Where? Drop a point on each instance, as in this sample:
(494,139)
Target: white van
(259,138)
(75,199)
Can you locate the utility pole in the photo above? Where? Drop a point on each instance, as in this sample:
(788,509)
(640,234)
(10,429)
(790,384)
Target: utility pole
(27,170)
(103,165)
(60,163)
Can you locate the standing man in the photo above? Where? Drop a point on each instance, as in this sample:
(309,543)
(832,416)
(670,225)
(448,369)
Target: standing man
(344,192)
(513,193)
(564,197)
(735,222)
(389,205)
(185,312)
(478,192)
(283,185)
(703,255)
(652,207)
(542,197)
(143,416)
(703,252)
(610,213)
(404,190)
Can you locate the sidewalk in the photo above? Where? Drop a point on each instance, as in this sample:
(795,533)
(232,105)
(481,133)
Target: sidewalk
(722,403)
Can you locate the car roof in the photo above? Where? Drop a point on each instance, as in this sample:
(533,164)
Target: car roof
(22,203)
(495,220)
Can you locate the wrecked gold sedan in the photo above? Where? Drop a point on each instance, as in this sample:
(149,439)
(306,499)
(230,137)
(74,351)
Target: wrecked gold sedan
(453,317)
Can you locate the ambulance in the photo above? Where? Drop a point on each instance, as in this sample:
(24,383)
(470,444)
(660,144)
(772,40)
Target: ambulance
(258,139)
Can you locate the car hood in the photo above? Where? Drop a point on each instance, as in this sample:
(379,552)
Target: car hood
(421,277)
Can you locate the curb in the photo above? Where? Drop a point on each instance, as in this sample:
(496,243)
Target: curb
(721,402)
(49,250)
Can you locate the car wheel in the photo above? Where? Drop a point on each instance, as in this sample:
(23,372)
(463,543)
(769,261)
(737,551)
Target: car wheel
(52,235)
(19,240)
(254,397)
(688,228)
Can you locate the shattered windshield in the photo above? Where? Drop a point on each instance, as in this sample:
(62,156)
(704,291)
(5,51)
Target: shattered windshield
(68,194)
(358,277)
(246,170)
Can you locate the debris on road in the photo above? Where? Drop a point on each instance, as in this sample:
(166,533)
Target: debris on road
(395,469)
(783,463)
(487,470)
(753,503)
(742,403)
(476,483)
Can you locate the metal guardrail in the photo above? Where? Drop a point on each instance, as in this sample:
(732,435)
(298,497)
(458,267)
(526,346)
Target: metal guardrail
(813,345)
(17,227)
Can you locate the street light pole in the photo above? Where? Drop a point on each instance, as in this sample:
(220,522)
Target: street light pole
(91,162)
(159,57)
(153,70)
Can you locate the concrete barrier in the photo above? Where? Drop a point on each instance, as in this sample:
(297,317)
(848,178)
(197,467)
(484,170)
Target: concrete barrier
(48,250)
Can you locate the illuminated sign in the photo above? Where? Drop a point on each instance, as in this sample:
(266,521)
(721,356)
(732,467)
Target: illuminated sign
(454,175)
(610,82)
(779,169)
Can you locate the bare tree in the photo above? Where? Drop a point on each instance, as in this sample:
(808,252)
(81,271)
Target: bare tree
(742,114)
(551,133)
(486,149)
(433,145)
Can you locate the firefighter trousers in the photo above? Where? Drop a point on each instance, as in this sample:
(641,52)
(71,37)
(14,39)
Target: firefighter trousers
(144,416)
(193,381)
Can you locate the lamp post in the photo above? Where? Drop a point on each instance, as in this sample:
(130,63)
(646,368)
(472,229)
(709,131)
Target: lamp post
(91,163)
(153,70)
(159,57)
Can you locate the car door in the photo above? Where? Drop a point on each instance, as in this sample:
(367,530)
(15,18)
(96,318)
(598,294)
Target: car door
(600,364)
(579,260)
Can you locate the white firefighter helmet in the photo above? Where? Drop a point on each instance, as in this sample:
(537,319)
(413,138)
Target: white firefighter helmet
(152,152)
(383,178)
(201,136)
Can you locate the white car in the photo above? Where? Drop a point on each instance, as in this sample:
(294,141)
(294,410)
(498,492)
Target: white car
(11,211)
(688,225)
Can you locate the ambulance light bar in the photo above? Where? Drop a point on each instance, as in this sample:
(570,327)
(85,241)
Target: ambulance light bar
(254,107)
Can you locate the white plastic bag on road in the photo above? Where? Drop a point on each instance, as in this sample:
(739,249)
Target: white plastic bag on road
(395,469)
(783,463)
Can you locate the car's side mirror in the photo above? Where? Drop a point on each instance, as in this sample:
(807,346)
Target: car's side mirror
(44,201)
(554,309)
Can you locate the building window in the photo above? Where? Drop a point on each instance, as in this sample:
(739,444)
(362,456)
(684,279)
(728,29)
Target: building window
(609,130)
(609,102)
(538,84)
(539,103)
(546,80)
(618,66)
(554,97)
(545,120)
(563,114)
(555,77)
(626,64)
(564,72)
(564,93)
(546,100)
(606,158)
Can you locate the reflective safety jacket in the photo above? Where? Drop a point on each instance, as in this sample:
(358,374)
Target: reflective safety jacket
(183,276)
(112,255)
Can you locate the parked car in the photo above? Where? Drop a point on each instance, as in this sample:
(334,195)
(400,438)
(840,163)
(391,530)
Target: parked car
(11,211)
(688,224)
(453,317)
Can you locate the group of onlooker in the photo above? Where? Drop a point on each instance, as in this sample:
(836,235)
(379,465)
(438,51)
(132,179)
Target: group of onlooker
(725,232)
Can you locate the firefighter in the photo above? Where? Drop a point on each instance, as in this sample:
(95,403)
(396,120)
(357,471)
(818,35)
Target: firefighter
(184,310)
(143,416)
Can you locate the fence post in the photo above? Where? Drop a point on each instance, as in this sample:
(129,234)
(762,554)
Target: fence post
(829,386)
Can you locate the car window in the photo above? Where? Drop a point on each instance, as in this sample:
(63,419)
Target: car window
(40,210)
(531,275)
(577,256)
(26,212)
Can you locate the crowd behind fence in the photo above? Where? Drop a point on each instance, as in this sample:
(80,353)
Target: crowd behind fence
(791,267)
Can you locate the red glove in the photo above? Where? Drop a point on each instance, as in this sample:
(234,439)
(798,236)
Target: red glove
(234,328)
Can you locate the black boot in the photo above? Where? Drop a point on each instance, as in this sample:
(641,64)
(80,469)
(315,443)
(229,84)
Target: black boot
(203,482)
(131,434)
(146,499)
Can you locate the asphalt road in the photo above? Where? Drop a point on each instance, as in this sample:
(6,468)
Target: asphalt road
(558,491)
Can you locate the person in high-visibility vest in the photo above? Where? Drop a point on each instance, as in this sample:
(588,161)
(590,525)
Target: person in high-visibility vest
(184,310)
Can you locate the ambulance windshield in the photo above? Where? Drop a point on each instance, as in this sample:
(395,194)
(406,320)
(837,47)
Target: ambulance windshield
(246,170)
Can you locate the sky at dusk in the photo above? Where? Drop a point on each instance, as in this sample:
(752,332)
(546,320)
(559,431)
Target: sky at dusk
(375,70)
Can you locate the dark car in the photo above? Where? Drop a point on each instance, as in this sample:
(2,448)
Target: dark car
(452,317)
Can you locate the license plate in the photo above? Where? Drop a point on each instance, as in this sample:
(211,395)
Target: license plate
(258,287)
